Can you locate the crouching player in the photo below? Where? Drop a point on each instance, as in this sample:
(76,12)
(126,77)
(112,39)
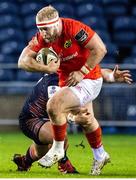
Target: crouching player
(35,124)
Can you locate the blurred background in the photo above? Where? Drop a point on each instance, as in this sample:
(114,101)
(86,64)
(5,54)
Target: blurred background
(113,20)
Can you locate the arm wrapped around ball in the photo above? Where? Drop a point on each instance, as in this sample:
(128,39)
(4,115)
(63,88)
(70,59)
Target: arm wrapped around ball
(48,57)
(46,60)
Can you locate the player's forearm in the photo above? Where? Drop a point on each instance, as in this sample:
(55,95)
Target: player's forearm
(92,61)
(29,64)
(95,57)
(108,75)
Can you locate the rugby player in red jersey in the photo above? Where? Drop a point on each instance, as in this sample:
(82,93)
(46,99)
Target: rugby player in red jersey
(34,121)
(80,50)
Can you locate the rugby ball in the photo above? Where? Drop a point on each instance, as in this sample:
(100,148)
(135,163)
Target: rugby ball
(46,55)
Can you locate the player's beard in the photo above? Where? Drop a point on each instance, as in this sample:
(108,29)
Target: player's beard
(52,36)
(50,39)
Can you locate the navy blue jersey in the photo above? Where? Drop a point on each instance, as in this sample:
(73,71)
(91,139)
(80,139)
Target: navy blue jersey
(35,105)
(33,114)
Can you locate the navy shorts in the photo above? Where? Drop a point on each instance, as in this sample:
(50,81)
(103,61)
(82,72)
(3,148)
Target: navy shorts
(33,114)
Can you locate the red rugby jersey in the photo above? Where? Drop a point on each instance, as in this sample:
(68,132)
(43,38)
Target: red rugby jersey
(70,46)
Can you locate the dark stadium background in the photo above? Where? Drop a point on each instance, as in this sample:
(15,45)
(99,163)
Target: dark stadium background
(113,20)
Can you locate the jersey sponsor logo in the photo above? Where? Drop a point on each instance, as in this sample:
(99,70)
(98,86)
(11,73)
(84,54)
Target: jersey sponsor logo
(81,36)
(67,43)
(52,90)
(70,57)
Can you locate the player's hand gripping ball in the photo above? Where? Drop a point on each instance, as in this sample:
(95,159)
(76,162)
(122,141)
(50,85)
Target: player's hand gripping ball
(46,55)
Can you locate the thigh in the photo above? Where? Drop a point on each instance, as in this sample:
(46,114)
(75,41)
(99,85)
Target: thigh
(87,90)
(31,128)
(64,101)
(89,107)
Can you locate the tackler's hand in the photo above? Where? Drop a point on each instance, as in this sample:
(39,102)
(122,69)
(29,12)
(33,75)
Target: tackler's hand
(122,75)
(53,66)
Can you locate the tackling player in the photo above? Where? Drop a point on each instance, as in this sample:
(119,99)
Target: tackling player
(35,124)
(80,50)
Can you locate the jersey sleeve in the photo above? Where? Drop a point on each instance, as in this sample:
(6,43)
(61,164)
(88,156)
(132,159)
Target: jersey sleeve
(81,32)
(35,44)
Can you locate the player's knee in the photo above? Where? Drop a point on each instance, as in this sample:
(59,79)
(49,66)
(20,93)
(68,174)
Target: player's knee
(44,139)
(83,120)
(86,121)
(90,124)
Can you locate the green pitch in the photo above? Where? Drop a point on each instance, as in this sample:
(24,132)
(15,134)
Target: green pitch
(122,149)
